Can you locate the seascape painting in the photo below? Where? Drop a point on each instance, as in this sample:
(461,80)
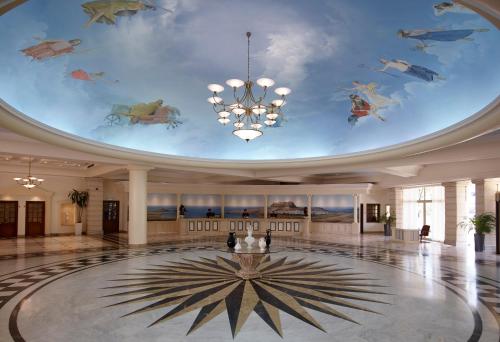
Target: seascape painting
(162,207)
(244,206)
(287,206)
(333,208)
(201,206)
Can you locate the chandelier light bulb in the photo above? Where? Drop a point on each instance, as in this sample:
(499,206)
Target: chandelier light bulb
(256,125)
(265,82)
(278,102)
(215,100)
(282,91)
(224,114)
(224,121)
(17,179)
(259,109)
(270,122)
(239,111)
(247,134)
(235,83)
(239,124)
(272,116)
(216,88)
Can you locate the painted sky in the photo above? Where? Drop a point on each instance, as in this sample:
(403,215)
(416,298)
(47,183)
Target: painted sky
(316,48)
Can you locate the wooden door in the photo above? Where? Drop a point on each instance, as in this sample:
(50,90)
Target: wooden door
(8,219)
(111,217)
(361,218)
(35,218)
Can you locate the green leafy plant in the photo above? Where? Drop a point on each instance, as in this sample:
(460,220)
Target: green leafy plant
(388,219)
(481,223)
(81,199)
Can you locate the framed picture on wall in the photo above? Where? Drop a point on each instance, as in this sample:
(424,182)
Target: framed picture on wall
(280,226)
(232,226)
(199,226)
(256,226)
(272,226)
(215,226)
(191,226)
(289,226)
(207,226)
(240,225)
(296,227)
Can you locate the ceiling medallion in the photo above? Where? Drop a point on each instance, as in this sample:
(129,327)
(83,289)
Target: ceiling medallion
(212,287)
(30,181)
(248,109)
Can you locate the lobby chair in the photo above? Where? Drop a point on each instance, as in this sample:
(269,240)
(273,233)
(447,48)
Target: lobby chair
(424,231)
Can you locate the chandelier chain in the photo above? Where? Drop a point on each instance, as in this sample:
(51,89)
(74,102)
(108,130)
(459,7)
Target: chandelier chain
(248,56)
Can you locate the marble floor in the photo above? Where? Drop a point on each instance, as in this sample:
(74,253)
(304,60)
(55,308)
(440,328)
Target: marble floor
(182,289)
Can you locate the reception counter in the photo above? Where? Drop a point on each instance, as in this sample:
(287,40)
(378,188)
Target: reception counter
(279,227)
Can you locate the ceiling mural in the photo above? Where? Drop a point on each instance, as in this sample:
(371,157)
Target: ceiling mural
(364,74)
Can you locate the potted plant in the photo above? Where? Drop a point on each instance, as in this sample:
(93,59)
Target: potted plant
(80,199)
(387,220)
(481,224)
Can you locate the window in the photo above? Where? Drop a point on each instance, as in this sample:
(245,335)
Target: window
(372,212)
(424,205)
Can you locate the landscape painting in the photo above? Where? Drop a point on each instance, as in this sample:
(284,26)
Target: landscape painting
(244,206)
(287,206)
(162,207)
(333,208)
(198,206)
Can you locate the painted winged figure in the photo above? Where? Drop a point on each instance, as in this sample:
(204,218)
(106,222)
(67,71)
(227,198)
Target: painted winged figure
(146,114)
(439,35)
(360,108)
(370,91)
(51,48)
(106,11)
(409,69)
(83,75)
(450,7)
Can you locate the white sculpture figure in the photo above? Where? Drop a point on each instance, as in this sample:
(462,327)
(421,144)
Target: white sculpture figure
(249,239)
(238,244)
(262,243)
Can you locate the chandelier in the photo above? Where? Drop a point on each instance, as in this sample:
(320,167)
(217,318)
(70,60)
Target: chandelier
(29,182)
(248,109)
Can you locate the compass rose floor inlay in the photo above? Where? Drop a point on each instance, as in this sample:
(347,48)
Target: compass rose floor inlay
(308,291)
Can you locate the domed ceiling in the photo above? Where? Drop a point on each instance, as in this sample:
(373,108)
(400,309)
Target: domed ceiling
(364,74)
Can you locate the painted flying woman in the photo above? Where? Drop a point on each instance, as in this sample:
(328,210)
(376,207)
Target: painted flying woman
(439,35)
(412,70)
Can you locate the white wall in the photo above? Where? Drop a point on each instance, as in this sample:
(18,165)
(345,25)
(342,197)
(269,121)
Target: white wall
(54,191)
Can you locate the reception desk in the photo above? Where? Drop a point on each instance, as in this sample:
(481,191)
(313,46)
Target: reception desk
(407,234)
(279,227)
(204,226)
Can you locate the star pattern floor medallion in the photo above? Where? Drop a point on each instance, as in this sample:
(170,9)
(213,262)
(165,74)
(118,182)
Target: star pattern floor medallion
(212,287)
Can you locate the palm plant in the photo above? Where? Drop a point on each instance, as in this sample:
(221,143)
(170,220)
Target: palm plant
(80,198)
(481,223)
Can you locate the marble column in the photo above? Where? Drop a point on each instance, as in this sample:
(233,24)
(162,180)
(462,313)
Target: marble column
(485,201)
(138,228)
(396,203)
(455,204)
(355,224)
(265,206)
(93,211)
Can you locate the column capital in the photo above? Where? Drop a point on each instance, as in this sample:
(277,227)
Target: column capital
(136,167)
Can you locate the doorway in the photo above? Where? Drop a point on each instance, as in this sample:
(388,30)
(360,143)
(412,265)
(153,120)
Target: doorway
(35,218)
(8,219)
(110,217)
(361,219)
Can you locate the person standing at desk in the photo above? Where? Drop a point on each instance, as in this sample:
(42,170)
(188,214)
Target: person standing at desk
(210,213)
(245,213)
